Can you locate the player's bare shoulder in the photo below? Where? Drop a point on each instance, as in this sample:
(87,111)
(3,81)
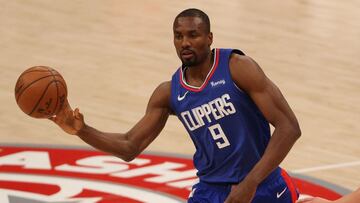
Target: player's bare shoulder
(245,72)
(164,89)
(161,95)
(239,63)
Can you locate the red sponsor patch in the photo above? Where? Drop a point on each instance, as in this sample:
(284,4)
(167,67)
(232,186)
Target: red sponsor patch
(85,176)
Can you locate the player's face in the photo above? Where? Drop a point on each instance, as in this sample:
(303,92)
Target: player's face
(191,40)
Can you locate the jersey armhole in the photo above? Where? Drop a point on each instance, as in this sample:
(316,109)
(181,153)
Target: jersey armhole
(236,51)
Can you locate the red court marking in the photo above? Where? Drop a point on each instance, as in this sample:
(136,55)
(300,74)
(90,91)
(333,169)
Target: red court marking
(70,157)
(29,187)
(315,190)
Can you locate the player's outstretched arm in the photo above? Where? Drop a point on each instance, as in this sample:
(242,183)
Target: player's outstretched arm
(124,145)
(249,77)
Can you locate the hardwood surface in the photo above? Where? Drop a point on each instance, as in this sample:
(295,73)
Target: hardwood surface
(114,53)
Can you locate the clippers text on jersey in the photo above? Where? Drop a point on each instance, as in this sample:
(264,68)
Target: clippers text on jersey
(213,110)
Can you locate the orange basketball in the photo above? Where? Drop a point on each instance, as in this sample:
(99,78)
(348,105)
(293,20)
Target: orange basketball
(40,92)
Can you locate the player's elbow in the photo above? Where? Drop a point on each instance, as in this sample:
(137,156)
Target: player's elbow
(132,151)
(128,158)
(290,128)
(295,130)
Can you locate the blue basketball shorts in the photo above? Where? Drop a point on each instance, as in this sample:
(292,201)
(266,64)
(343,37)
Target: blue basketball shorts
(277,189)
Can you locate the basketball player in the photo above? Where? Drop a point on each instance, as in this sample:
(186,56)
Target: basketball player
(353,197)
(226,103)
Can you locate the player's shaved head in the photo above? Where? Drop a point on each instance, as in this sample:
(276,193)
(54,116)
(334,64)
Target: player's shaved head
(193,12)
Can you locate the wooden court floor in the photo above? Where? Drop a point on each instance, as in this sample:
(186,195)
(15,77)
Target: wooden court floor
(113,53)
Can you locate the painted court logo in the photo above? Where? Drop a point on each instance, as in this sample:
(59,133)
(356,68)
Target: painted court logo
(43,175)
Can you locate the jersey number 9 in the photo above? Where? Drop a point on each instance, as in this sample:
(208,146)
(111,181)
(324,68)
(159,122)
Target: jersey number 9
(218,135)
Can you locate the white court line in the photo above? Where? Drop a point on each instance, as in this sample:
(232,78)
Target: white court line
(326,167)
(70,187)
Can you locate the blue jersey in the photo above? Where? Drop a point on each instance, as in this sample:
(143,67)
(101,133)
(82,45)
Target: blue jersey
(229,132)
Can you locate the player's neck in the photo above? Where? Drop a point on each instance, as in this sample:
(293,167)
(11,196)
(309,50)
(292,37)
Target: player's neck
(196,75)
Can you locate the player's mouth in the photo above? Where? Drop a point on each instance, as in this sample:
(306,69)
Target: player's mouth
(187,54)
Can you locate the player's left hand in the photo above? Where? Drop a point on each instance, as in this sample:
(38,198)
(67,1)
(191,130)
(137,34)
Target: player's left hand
(241,193)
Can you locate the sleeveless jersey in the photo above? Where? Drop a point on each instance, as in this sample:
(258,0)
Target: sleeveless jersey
(229,132)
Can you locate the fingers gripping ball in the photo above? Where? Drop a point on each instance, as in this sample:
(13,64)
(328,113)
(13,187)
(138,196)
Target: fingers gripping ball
(40,92)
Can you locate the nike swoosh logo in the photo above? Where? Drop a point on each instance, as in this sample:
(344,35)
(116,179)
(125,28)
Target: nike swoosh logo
(278,195)
(180,98)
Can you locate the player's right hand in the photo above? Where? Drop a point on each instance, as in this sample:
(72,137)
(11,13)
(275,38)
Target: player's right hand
(71,121)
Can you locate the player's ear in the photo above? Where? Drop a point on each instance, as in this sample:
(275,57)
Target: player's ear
(210,39)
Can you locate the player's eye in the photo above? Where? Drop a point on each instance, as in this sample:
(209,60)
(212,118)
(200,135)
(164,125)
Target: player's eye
(193,34)
(177,36)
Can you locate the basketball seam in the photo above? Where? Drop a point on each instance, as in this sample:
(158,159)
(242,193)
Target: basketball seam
(59,81)
(31,71)
(38,102)
(20,93)
(57,92)
(42,70)
(64,85)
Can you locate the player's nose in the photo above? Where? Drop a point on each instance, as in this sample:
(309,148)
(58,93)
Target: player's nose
(185,43)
